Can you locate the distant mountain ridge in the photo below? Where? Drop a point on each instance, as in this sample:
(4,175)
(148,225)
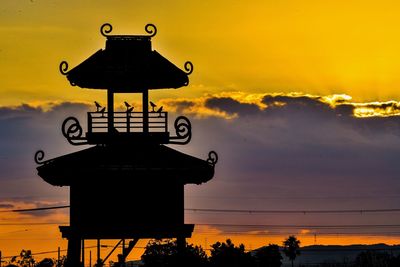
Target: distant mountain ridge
(315,254)
(380,246)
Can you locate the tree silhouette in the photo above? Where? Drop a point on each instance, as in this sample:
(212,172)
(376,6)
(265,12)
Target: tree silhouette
(46,262)
(195,256)
(60,262)
(269,256)
(291,248)
(25,259)
(159,253)
(227,255)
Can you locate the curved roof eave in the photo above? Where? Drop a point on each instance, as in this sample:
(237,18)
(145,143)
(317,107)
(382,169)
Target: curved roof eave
(157,163)
(133,73)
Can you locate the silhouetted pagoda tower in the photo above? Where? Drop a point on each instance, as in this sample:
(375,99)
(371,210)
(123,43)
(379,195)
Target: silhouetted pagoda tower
(128,185)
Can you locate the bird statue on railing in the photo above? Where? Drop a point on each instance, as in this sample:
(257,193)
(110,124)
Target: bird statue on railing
(153,106)
(127,105)
(159,111)
(98,106)
(129,111)
(102,111)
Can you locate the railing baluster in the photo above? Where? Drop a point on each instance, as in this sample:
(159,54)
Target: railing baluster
(166,122)
(89,122)
(128,122)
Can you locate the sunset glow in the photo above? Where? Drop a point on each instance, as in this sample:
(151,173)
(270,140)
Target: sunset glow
(301,99)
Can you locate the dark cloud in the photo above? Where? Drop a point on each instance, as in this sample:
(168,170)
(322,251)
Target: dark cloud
(24,130)
(345,109)
(183,105)
(304,154)
(231,106)
(313,110)
(6,206)
(73,107)
(22,111)
(302,101)
(386,105)
(44,213)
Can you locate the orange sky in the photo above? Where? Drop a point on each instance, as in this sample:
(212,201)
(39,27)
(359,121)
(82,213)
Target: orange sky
(47,238)
(309,46)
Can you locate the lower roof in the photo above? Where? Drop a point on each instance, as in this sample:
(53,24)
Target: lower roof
(156,163)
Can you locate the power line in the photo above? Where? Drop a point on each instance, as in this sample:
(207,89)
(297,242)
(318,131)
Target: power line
(302,226)
(293,211)
(296,197)
(279,226)
(33,223)
(266,234)
(54,251)
(248,211)
(36,209)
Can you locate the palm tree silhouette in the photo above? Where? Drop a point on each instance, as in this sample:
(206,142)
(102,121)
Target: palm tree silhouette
(291,248)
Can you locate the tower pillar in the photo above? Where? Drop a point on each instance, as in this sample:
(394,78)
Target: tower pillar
(74,251)
(110,106)
(145,98)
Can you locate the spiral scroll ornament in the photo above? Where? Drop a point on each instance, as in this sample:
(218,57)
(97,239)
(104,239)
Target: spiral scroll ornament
(64,67)
(72,131)
(64,70)
(105,29)
(183,130)
(212,158)
(188,67)
(39,156)
(151,29)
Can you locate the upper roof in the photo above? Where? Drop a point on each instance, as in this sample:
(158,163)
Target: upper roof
(127,64)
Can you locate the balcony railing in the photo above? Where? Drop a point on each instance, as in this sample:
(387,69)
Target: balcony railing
(127,127)
(127,122)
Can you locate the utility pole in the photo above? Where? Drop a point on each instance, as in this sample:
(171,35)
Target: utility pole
(58,257)
(98,252)
(83,252)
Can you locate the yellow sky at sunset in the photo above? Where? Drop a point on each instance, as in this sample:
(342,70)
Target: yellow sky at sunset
(239,49)
(319,47)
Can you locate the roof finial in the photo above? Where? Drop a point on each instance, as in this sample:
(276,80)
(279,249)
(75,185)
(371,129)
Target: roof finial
(188,67)
(212,158)
(39,156)
(151,29)
(105,29)
(64,67)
